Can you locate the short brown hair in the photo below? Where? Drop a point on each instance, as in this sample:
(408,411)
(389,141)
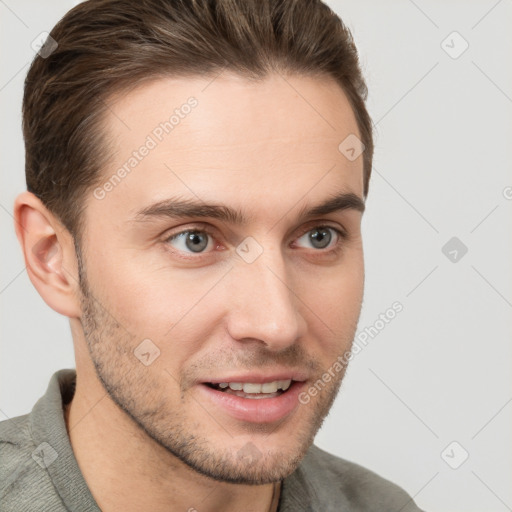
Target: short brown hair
(107,46)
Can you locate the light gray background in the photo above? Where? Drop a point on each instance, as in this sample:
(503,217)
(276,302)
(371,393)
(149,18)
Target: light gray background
(440,371)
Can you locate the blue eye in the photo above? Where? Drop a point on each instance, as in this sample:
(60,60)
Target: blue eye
(195,241)
(321,236)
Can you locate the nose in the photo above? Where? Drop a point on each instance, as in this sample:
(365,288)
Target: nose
(263,304)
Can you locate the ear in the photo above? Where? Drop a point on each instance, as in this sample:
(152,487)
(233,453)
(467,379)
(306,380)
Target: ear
(49,255)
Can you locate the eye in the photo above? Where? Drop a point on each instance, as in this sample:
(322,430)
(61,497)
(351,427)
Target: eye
(198,241)
(194,241)
(320,237)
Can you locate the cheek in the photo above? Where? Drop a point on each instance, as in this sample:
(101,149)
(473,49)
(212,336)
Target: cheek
(168,306)
(337,295)
(336,307)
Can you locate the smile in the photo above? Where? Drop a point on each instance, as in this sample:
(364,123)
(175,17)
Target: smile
(253,390)
(253,402)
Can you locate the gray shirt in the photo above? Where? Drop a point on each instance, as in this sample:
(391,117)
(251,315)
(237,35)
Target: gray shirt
(39,472)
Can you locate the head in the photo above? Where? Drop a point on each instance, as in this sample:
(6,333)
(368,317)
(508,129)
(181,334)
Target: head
(193,210)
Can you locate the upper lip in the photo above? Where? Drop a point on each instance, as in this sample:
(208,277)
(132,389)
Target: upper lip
(260,378)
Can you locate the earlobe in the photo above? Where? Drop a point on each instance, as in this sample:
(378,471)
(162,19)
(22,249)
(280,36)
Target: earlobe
(49,254)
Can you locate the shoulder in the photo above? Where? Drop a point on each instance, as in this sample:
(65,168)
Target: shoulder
(16,446)
(332,480)
(24,481)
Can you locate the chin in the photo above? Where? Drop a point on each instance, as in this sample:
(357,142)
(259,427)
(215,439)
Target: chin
(248,466)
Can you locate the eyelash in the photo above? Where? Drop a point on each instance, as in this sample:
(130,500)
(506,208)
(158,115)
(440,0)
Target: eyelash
(342,237)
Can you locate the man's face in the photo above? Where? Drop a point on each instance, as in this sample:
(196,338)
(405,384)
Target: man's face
(255,304)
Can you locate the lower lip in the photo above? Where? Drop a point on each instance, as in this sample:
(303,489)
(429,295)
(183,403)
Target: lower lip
(255,410)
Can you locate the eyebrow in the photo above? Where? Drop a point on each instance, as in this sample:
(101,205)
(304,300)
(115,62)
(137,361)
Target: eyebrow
(180,208)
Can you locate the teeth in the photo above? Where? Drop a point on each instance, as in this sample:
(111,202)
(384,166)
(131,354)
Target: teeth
(269,387)
(256,388)
(252,388)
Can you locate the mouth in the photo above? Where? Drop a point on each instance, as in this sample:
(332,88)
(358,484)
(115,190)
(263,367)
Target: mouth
(253,390)
(254,398)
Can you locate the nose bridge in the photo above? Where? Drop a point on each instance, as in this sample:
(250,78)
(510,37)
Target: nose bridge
(264,306)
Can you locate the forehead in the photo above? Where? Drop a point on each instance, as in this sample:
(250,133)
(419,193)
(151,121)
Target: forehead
(226,135)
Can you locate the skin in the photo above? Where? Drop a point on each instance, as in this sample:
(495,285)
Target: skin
(262,148)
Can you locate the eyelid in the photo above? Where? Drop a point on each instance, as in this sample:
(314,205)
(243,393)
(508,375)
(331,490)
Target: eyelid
(200,227)
(323,224)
